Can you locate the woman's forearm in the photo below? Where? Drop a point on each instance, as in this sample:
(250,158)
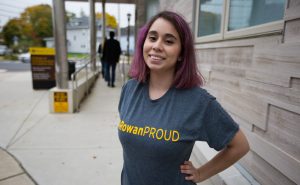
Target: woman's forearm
(237,148)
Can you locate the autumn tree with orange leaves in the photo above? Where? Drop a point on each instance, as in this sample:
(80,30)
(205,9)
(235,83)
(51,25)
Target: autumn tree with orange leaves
(110,20)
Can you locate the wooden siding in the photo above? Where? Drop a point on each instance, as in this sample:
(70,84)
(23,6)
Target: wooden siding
(183,7)
(264,173)
(292,30)
(259,86)
(257,80)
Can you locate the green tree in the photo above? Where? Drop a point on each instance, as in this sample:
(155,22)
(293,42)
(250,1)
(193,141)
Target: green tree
(70,15)
(37,21)
(13,28)
(34,24)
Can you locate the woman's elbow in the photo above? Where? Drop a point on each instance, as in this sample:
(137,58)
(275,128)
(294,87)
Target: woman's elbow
(240,144)
(245,148)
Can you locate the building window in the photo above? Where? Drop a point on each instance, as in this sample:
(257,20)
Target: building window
(246,13)
(210,17)
(151,8)
(227,19)
(74,37)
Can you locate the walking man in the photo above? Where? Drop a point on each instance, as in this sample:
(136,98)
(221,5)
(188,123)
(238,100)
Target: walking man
(111,53)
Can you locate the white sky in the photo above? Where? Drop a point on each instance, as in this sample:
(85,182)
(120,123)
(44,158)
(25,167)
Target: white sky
(13,8)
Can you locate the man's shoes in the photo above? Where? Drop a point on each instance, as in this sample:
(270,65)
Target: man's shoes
(110,84)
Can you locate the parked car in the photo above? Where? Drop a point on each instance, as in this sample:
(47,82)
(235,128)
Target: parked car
(24,57)
(3,49)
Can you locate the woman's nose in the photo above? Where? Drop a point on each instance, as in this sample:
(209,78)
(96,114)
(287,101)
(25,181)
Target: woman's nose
(157,46)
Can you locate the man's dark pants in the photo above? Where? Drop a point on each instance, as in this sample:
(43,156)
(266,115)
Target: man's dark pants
(103,67)
(110,75)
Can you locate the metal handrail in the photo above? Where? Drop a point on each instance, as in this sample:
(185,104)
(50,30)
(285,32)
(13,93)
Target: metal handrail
(123,61)
(87,61)
(85,65)
(83,59)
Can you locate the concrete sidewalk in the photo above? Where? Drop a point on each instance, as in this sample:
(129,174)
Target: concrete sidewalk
(57,149)
(37,147)
(11,171)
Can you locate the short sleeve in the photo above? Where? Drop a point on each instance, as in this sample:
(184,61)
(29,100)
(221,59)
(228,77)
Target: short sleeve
(219,127)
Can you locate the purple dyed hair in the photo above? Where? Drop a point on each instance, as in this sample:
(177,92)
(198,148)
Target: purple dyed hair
(187,74)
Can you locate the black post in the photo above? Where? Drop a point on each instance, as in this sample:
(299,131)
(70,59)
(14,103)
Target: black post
(128,35)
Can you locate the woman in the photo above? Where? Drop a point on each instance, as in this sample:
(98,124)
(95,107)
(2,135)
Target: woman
(163,111)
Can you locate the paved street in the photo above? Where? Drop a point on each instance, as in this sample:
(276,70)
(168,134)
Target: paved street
(14,66)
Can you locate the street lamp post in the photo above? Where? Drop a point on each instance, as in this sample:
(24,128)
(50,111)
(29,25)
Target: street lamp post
(128,35)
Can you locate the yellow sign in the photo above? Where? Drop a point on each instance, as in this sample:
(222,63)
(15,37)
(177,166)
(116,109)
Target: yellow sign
(41,51)
(43,60)
(61,102)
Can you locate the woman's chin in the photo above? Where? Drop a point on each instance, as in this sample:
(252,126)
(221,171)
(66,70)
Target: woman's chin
(154,65)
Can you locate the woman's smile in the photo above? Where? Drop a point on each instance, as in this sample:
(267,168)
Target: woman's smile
(156,58)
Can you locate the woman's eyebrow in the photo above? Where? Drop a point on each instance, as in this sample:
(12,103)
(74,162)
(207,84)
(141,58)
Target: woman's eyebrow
(152,32)
(169,35)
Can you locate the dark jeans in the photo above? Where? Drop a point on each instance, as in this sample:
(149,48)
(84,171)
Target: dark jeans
(110,75)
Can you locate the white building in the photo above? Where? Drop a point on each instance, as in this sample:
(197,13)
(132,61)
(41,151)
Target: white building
(124,42)
(78,35)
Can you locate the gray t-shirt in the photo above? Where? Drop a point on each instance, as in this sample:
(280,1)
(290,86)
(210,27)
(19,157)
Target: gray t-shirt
(157,136)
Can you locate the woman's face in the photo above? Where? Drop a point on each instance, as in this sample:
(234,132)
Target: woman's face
(162,46)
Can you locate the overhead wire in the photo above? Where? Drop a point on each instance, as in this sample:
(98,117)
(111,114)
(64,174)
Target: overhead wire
(7,11)
(12,6)
(9,16)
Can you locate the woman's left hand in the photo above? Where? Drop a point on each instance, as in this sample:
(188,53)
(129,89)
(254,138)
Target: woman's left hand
(191,172)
